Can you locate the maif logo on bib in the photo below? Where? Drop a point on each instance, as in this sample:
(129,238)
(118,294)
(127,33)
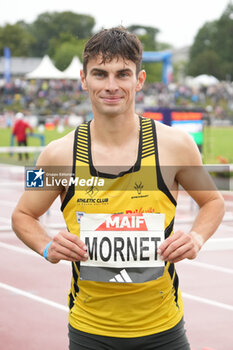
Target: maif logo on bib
(122,248)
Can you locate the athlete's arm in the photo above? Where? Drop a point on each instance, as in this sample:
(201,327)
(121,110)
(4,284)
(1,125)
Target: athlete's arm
(192,176)
(26,224)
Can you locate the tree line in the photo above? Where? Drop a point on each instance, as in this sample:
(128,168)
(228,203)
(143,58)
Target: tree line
(212,49)
(62,35)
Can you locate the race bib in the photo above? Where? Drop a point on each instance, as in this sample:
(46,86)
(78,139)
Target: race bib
(122,247)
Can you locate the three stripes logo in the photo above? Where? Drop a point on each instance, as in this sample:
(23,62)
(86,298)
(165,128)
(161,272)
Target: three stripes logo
(122,277)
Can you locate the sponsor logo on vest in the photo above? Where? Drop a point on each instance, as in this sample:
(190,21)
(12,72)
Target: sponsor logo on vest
(122,277)
(138,188)
(79,215)
(121,222)
(141,210)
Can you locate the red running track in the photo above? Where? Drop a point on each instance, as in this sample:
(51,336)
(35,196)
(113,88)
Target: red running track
(33,292)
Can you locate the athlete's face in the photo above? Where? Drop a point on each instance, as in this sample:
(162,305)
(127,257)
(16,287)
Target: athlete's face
(112,86)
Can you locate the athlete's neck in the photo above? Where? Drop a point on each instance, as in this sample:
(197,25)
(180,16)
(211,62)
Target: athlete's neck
(115,143)
(114,131)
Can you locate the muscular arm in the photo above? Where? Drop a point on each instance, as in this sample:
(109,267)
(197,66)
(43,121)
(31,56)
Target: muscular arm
(33,204)
(196,181)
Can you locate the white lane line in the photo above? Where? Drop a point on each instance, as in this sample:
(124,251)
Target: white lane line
(207,266)
(4,228)
(6,234)
(8,203)
(58,226)
(216,244)
(33,297)
(5,220)
(28,252)
(207,301)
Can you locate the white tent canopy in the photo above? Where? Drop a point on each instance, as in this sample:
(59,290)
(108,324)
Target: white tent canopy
(73,70)
(205,80)
(45,70)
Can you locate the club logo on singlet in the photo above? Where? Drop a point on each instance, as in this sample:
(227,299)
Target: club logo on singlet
(92,191)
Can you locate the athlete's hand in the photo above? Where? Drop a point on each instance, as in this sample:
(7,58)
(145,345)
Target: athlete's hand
(66,246)
(180,246)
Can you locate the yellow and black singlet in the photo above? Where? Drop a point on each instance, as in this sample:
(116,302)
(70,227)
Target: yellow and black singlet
(119,309)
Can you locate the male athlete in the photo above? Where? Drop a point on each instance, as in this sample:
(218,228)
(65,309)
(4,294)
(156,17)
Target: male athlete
(124,291)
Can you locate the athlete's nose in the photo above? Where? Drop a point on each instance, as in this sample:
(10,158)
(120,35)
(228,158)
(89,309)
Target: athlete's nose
(111,84)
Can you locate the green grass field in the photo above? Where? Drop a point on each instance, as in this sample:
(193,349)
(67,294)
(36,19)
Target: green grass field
(218,142)
(5,137)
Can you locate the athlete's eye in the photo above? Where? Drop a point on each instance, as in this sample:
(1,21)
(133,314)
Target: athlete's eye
(123,74)
(99,74)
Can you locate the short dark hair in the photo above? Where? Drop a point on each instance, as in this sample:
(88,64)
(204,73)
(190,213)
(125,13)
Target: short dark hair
(113,43)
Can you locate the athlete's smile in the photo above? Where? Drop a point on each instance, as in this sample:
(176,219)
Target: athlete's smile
(111,99)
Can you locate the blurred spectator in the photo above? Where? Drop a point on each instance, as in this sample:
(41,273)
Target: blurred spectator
(19,131)
(58,97)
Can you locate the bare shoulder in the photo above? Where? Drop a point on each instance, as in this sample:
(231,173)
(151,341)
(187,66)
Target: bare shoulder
(58,152)
(176,147)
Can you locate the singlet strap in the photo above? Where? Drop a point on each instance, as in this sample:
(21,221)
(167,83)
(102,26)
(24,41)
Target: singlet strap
(81,148)
(148,145)
(161,184)
(80,152)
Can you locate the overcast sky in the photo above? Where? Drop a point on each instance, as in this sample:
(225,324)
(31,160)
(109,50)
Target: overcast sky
(177,20)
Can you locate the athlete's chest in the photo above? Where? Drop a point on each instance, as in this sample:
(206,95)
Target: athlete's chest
(132,192)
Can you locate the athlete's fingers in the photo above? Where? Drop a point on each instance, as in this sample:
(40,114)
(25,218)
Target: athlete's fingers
(68,247)
(163,246)
(183,252)
(172,243)
(68,254)
(74,239)
(180,246)
(178,258)
(55,258)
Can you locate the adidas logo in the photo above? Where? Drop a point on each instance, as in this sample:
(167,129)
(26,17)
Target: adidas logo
(122,277)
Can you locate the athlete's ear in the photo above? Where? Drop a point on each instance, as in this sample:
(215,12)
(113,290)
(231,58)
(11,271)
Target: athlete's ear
(141,79)
(83,80)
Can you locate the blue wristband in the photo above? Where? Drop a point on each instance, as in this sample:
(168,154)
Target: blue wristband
(45,252)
